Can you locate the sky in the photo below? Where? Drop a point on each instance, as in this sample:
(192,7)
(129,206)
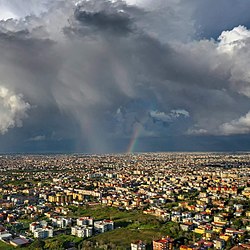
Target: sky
(99,76)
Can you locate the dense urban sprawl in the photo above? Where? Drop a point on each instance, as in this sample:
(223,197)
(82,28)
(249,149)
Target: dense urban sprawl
(133,201)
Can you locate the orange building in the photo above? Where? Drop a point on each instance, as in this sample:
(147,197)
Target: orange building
(165,243)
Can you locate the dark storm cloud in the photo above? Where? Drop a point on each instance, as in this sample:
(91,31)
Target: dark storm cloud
(24,64)
(114,22)
(93,73)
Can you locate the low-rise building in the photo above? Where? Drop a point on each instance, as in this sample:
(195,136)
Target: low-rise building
(82,232)
(138,245)
(19,242)
(42,233)
(61,222)
(165,243)
(103,226)
(85,221)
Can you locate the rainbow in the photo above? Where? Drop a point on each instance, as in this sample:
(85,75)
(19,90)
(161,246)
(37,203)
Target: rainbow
(134,138)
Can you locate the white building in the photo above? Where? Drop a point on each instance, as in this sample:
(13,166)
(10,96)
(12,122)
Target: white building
(42,233)
(103,226)
(61,222)
(138,245)
(82,232)
(36,225)
(5,235)
(85,221)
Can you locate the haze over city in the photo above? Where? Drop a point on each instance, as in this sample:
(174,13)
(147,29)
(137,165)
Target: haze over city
(124,76)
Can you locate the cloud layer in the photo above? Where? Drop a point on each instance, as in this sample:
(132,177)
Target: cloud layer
(107,66)
(12,110)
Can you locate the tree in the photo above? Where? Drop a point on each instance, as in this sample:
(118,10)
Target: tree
(238,223)
(37,245)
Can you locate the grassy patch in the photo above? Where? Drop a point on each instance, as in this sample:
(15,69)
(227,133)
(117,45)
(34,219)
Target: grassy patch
(62,242)
(4,246)
(123,237)
(118,216)
(130,226)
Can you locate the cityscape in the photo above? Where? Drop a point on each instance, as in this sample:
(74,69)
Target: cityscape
(126,201)
(124,125)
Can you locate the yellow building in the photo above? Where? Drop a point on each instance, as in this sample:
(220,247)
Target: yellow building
(217,229)
(225,237)
(246,192)
(199,230)
(210,235)
(52,198)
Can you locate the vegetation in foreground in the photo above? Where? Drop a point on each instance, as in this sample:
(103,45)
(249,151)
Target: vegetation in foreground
(130,226)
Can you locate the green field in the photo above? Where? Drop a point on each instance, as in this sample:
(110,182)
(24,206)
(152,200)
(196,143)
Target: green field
(4,246)
(123,237)
(130,226)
